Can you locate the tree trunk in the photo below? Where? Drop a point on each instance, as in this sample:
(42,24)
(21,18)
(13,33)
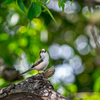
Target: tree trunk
(33,88)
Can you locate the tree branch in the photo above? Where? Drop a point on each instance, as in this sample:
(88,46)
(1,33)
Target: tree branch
(33,88)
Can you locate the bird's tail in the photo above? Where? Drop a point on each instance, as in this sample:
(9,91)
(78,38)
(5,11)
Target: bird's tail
(26,71)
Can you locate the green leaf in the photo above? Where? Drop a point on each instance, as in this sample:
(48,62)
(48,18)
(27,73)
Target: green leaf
(31,11)
(45,1)
(72,2)
(44,10)
(64,1)
(21,5)
(59,3)
(7,2)
(63,5)
(97,85)
(49,12)
(48,2)
(38,9)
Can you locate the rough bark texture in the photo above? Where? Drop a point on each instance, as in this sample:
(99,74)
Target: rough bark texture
(33,88)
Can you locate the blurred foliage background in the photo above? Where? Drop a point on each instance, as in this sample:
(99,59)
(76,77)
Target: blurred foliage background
(72,45)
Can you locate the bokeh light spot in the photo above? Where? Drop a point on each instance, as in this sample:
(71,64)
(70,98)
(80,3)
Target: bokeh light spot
(66,51)
(12,46)
(81,42)
(22,29)
(3,36)
(2,81)
(64,73)
(34,50)
(69,35)
(54,51)
(84,79)
(81,45)
(37,23)
(14,19)
(61,89)
(72,88)
(85,11)
(76,64)
(32,32)
(85,51)
(18,51)
(74,8)
(44,36)
(23,42)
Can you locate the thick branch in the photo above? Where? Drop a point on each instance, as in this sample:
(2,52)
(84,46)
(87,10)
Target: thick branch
(33,88)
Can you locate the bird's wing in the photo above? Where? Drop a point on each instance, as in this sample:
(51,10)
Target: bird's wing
(35,64)
(38,62)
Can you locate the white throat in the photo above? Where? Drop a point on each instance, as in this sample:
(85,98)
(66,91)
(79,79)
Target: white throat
(45,57)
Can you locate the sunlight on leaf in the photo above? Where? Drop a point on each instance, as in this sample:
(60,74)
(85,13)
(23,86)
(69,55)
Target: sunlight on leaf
(37,23)
(95,96)
(38,9)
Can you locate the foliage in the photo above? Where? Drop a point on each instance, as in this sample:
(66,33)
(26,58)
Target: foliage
(26,28)
(35,7)
(92,97)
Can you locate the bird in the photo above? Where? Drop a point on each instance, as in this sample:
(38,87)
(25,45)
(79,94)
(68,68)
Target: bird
(41,64)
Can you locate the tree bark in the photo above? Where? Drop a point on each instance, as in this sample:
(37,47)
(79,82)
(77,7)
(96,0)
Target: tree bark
(33,88)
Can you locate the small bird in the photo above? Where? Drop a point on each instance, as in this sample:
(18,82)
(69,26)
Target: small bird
(41,64)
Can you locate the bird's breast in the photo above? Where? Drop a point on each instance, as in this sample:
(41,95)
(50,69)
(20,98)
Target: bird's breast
(41,66)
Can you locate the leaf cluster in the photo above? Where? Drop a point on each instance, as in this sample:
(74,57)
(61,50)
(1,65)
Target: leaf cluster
(35,8)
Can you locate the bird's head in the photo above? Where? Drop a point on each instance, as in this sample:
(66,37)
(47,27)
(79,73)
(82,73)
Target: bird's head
(43,54)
